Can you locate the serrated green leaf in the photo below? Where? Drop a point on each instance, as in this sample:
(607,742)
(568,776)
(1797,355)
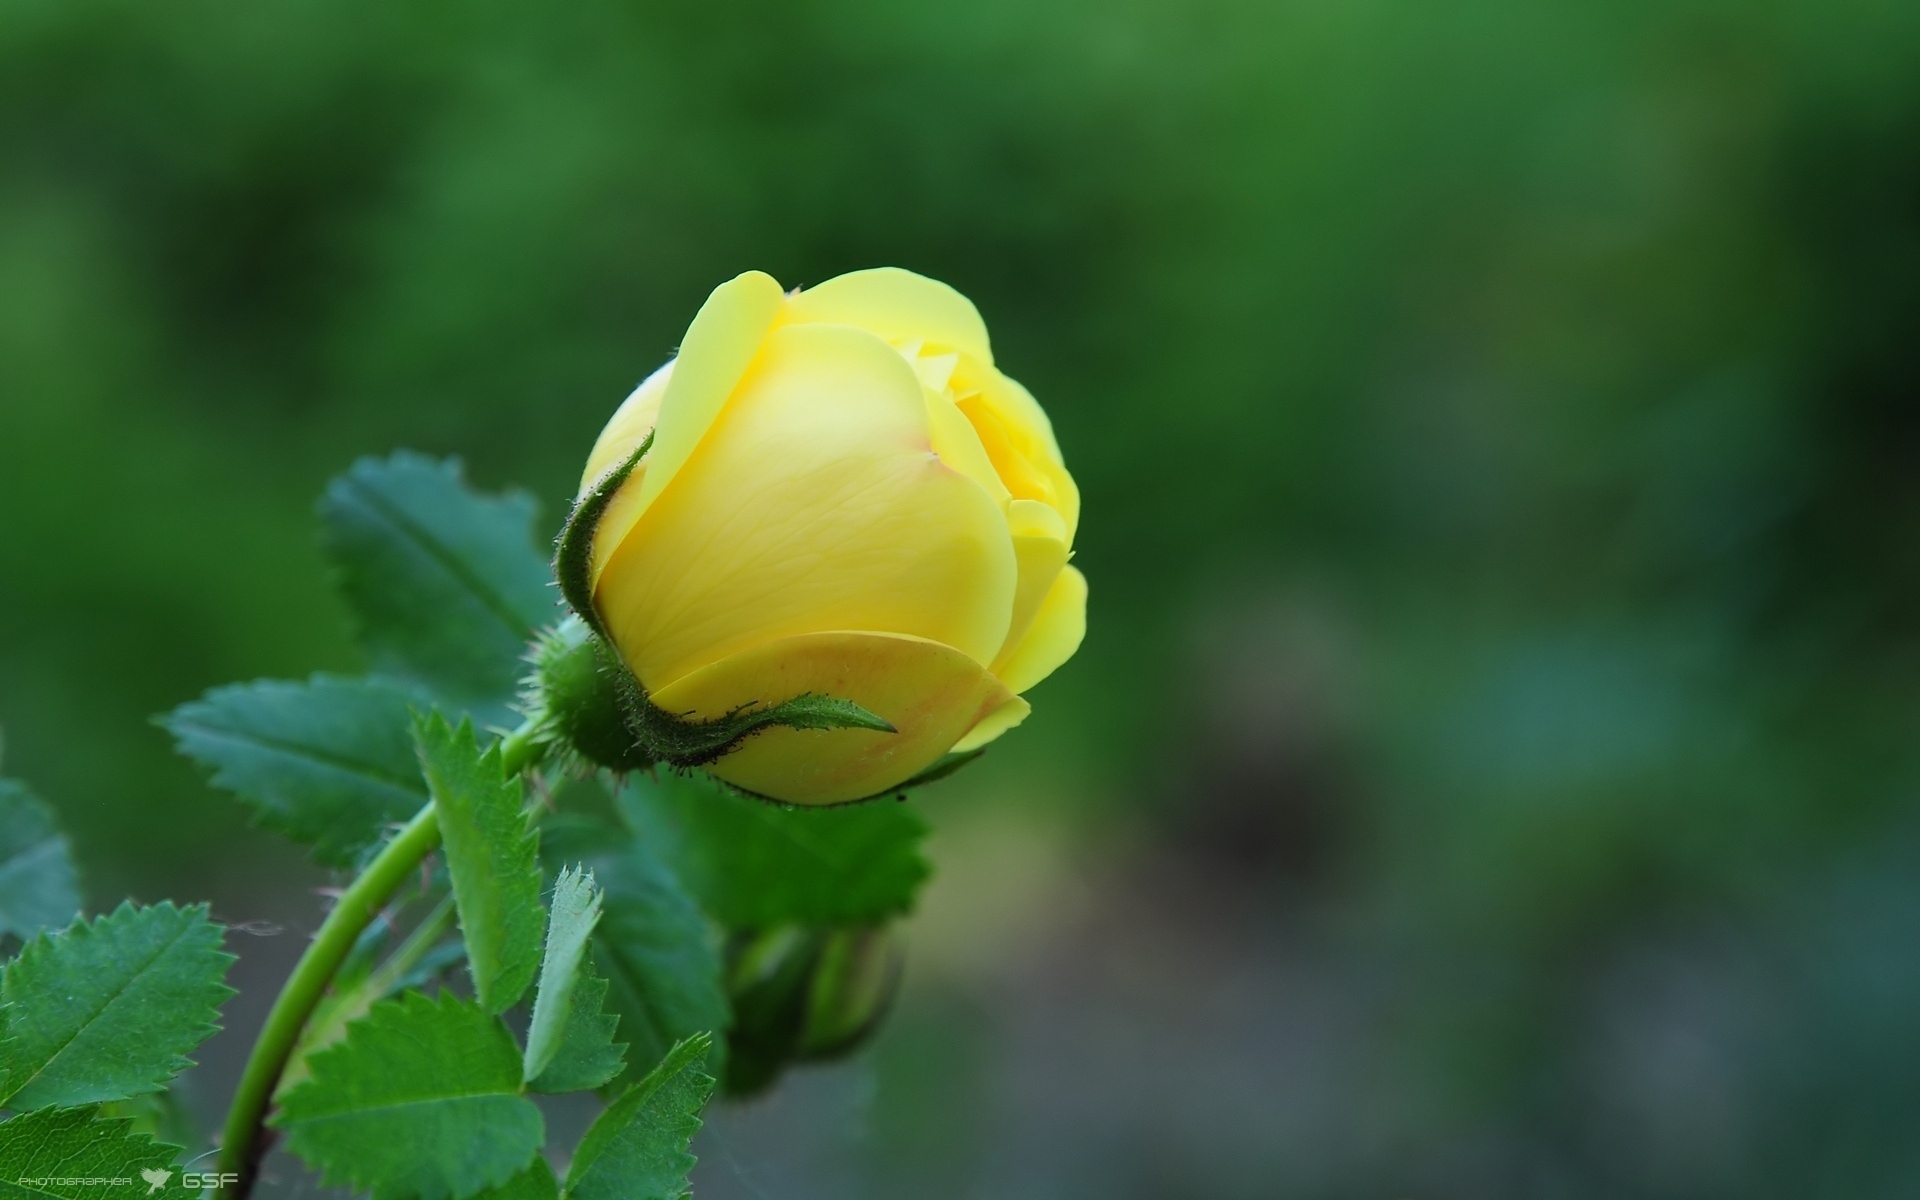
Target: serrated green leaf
(108,1009)
(493,856)
(657,953)
(76,1154)
(534,1183)
(329,762)
(571,917)
(38,889)
(421,1100)
(446,583)
(755,865)
(637,1150)
(357,987)
(587,1057)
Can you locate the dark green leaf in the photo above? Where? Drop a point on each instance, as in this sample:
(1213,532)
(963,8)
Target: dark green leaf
(534,1183)
(75,1154)
(108,1009)
(654,947)
(637,1150)
(754,864)
(571,917)
(329,762)
(37,885)
(445,582)
(493,856)
(421,1100)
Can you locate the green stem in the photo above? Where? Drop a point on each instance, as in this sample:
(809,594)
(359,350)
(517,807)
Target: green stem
(241,1147)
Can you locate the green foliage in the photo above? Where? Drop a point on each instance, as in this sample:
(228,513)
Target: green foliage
(754,864)
(571,916)
(359,984)
(109,1008)
(534,1183)
(76,1154)
(445,582)
(493,855)
(421,1101)
(803,995)
(768,978)
(654,947)
(329,762)
(637,1149)
(587,1056)
(38,888)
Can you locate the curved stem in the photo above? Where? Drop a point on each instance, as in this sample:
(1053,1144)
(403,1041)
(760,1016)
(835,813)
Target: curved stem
(240,1147)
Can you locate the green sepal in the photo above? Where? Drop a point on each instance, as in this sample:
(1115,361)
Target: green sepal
(573,556)
(684,743)
(660,735)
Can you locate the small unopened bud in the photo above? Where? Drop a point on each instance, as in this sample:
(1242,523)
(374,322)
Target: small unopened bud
(804,995)
(854,982)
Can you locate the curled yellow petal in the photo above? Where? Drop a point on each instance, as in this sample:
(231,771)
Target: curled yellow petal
(1055,634)
(958,445)
(1019,439)
(723,339)
(932,695)
(994,724)
(898,305)
(815,503)
(1039,552)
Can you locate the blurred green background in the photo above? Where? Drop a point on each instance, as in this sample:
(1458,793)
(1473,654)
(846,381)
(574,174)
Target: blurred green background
(1492,768)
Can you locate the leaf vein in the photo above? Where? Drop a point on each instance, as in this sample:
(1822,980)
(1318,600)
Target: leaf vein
(445,557)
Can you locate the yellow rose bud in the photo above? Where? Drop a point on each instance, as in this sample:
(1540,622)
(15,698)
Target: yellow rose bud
(842,497)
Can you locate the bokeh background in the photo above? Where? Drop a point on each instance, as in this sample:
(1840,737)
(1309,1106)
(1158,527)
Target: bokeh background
(1492,769)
